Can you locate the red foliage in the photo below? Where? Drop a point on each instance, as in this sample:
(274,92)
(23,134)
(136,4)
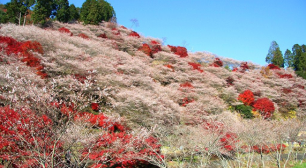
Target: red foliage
(274,67)
(123,27)
(25,137)
(244,66)
(247,97)
(146,49)
(65,30)
(181,51)
(267,149)
(288,76)
(84,36)
(172,48)
(235,69)
(196,66)
(286,90)
(115,32)
(12,46)
(217,63)
(102,35)
(186,101)
(228,141)
(265,106)
(134,34)
(230,81)
(95,106)
(153,42)
(155,47)
(186,85)
(25,49)
(169,66)
(80,78)
(105,148)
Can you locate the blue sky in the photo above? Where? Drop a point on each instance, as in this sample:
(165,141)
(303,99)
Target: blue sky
(238,29)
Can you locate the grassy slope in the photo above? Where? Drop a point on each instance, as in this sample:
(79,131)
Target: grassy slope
(141,89)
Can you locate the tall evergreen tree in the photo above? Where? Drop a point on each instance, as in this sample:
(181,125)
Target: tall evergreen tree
(289,58)
(278,58)
(43,10)
(18,9)
(63,13)
(275,55)
(95,11)
(73,13)
(299,54)
(3,15)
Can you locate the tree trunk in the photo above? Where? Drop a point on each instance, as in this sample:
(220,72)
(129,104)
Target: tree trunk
(19,18)
(24,19)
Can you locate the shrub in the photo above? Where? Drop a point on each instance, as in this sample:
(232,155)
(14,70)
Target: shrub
(102,35)
(65,30)
(196,66)
(155,47)
(181,51)
(12,46)
(247,97)
(245,111)
(265,107)
(228,141)
(84,36)
(273,67)
(288,76)
(170,67)
(25,49)
(244,66)
(134,34)
(115,32)
(146,49)
(27,140)
(95,106)
(235,69)
(185,101)
(230,81)
(186,85)
(217,63)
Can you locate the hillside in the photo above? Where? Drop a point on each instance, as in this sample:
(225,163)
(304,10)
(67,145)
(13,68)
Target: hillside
(133,87)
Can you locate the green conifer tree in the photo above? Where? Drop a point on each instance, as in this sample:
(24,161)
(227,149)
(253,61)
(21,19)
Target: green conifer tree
(288,58)
(43,10)
(63,13)
(275,55)
(73,13)
(95,11)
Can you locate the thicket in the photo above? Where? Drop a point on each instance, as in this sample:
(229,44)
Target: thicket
(115,103)
(42,11)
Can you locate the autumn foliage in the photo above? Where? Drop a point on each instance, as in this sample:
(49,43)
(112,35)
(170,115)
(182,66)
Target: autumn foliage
(65,30)
(26,138)
(217,63)
(134,34)
(146,49)
(102,35)
(265,106)
(180,51)
(84,36)
(196,66)
(247,97)
(156,47)
(25,50)
(274,67)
